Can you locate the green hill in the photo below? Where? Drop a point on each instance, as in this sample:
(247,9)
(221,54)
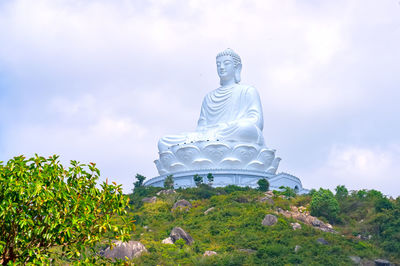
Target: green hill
(367,226)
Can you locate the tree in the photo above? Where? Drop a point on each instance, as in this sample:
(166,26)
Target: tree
(169,182)
(198,179)
(323,203)
(341,192)
(263,184)
(210,178)
(43,205)
(139,181)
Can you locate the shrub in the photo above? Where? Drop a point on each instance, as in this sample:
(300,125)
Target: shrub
(169,182)
(45,205)
(263,184)
(198,179)
(323,203)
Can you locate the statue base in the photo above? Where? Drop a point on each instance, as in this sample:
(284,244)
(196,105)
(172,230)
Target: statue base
(226,177)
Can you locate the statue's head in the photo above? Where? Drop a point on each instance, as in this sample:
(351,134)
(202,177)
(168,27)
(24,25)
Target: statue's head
(229,65)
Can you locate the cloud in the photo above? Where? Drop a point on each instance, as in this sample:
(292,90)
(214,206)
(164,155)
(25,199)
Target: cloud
(104,80)
(359,168)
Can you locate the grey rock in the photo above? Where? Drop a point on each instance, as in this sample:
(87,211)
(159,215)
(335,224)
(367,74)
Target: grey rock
(168,240)
(269,220)
(121,250)
(267,200)
(208,210)
(295,226)
(381,262)
(150,200)
(365,262)
(297,248)
(209,253)
(322,241)
(316,222)
(166,192)
(247,250)
(182,204)
(355,259)
(178,233)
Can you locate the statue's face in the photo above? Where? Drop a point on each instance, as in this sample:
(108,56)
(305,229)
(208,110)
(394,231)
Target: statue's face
(226,67)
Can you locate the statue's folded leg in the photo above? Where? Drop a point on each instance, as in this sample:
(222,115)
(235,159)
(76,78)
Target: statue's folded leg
(243,131)
(166,142)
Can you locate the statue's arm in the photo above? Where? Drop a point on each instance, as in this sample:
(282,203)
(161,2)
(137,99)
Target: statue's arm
(254,111)
(202,119)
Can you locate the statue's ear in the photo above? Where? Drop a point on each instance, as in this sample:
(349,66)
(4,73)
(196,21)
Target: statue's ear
(237,73)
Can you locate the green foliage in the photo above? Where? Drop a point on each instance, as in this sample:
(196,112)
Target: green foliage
(198,179)
(139,181)
(324,203)
(286,191)
(169,182)
(44,205)
(263,184)
(210,178)
(341,192)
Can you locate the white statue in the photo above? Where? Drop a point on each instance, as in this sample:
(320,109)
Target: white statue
(230,113)
(229,130)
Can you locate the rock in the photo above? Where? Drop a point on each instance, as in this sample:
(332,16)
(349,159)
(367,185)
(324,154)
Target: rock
(297,248)
(269,193)
(208,210)
(316,223)
(295,226)
(150,200)
(365,262)
(267,200)
(178,233)
(182,204)
(121,250)
(269,220)
(381,262)
(168,240)
(282,197)
(166,192)
(145,227)
(209,253)
(322,241)
(247,250)
(355,259)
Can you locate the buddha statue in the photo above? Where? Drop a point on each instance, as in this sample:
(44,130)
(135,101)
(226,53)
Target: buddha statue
(231,123)
(230,113)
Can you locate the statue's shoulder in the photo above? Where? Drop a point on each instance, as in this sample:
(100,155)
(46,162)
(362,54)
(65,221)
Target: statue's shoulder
(247,88)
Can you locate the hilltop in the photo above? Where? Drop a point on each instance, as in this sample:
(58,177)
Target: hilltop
(365,227)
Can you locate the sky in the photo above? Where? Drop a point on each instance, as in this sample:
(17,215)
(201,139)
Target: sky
(101,81)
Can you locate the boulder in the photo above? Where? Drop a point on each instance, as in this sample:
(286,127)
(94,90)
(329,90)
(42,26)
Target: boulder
(316,223)
(209,253)
(120,250)
(295,226)
(208,210)
(355,259)
(150,200)
(168,240)
(178,233)
(182,204)
(247,250)
(267,200)
(269,220)
(381,262)
(166,192)
(297,248)
(322,241)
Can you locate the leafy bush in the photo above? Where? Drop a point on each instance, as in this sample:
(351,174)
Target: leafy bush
(198,179)
(43,205)
(323,203)
(169,182)
(263,184)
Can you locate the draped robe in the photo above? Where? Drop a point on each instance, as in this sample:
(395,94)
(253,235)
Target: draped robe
(231,113)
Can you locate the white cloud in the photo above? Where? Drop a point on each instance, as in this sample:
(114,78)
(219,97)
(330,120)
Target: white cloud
(103,80)
(359,168)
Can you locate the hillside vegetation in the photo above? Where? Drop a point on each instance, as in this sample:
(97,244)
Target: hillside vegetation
(367,226)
